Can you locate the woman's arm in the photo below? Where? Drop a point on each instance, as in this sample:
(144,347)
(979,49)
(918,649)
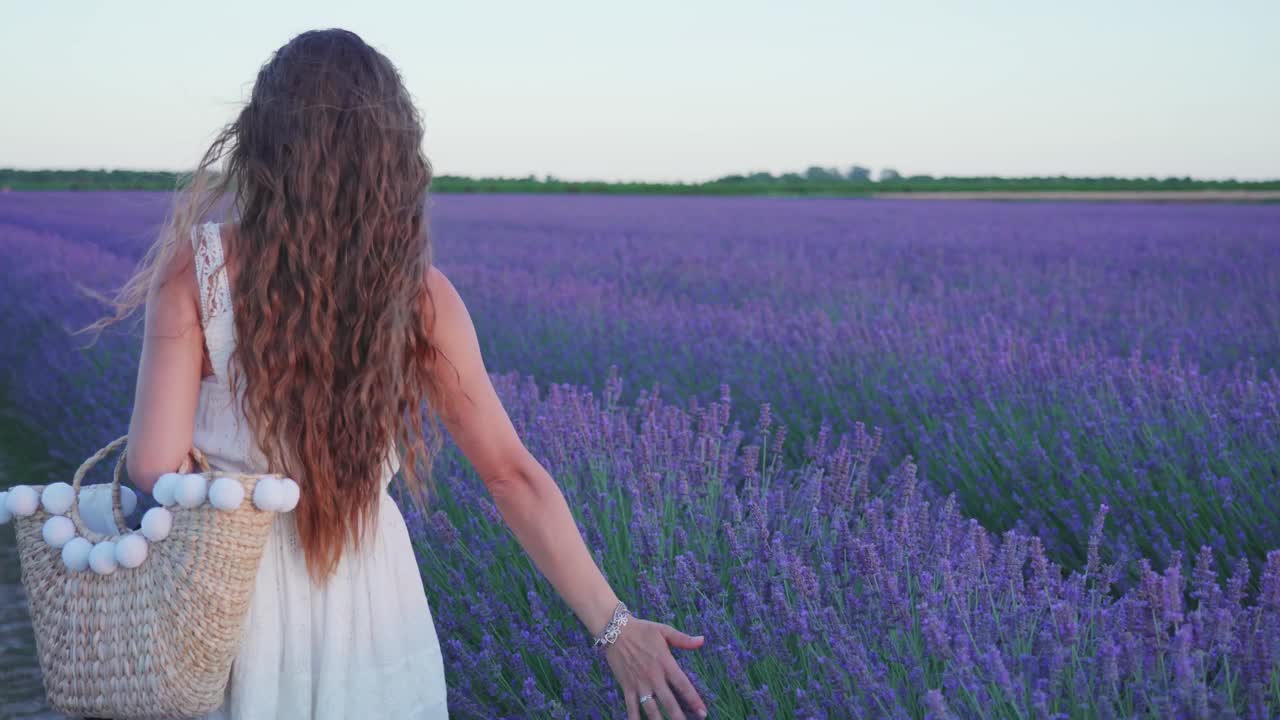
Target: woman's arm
(529,499)
(533,507)
(164,404)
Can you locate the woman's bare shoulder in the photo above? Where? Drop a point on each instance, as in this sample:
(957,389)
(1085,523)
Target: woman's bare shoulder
(447,309)
(173,298)
(176,263)
(437,281)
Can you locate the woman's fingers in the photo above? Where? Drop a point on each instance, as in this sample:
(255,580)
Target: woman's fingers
(684,688)
(667,685)
(650,706)
(678,639)
(669,703)
(633,710)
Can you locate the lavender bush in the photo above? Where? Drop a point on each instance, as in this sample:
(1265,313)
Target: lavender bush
(824,591)
(1038,359)
(1038,362)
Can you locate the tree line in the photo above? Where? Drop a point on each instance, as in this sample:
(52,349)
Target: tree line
(816,180)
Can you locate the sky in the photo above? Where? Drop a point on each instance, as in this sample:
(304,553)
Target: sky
(684,90)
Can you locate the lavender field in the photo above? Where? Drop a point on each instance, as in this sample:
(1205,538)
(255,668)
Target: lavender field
(894,458)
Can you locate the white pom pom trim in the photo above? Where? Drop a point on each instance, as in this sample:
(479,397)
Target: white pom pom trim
(268,494)
(191,491)
(226,493)
(128,500)
(291,494)
(102,558)
(75,554)
(131,551)
(58,531)
(164,487)
(22,500)
(57,498)
(156,524)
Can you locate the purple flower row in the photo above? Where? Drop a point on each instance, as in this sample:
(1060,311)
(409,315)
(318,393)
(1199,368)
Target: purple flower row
(826,591)
(1008,348)
(1038,359)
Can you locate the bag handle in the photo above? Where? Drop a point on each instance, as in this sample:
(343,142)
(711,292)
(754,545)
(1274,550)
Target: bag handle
(117,509)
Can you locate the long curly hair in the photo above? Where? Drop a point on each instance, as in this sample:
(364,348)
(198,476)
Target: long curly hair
(327,179)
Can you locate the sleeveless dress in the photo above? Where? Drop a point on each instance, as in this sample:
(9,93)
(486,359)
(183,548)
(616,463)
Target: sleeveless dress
(364,644)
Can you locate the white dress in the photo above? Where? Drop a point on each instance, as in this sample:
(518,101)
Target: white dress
(364,644)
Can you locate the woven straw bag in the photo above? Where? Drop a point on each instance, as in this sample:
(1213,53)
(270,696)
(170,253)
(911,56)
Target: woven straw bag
(149,638)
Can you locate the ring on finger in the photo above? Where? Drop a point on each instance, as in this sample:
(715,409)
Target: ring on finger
(645,698)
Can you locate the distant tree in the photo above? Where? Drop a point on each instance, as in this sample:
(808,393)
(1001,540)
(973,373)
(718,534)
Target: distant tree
(761,177)
(815,172)
(889,175)
(791,177)
(857,173)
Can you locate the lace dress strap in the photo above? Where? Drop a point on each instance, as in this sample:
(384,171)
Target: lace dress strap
(211,272)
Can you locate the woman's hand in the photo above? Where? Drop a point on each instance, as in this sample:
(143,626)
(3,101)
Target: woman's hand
(642,662)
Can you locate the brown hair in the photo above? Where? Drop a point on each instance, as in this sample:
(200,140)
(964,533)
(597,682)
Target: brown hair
(328,179)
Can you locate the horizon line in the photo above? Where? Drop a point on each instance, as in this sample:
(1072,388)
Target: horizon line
(546,176)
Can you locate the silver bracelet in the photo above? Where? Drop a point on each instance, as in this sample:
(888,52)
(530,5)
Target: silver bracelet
(610,633)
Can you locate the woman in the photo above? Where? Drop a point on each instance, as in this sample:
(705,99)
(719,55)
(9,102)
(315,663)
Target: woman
(305,336)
